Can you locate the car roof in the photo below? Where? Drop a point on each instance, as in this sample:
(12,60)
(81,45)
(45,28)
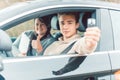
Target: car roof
(33,4)
(28,6)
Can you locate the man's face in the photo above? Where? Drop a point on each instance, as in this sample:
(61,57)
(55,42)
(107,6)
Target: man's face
(68,25)
(40,28)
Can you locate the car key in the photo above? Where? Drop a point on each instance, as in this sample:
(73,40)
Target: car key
(91,22)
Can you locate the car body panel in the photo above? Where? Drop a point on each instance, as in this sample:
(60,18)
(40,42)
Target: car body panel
(115,57)
(42,67)
(106,25)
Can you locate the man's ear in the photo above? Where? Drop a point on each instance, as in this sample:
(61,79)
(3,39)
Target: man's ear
(77,25)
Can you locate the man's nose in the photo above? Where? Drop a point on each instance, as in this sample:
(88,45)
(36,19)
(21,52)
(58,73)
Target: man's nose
(65,26)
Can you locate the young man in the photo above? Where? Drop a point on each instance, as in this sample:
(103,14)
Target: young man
(69,23)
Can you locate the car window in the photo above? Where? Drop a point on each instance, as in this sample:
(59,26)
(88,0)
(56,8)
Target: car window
(18,29)
(15,33)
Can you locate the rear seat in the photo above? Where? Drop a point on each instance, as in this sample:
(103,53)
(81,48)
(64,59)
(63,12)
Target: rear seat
(21,44)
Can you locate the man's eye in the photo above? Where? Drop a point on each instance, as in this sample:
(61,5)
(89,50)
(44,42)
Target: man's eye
(70,23)
(62,23)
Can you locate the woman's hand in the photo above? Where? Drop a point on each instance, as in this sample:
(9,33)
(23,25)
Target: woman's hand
(37,45)
(22,55)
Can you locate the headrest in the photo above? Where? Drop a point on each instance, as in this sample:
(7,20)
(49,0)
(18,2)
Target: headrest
(5,41)
(54,23)
(82,20)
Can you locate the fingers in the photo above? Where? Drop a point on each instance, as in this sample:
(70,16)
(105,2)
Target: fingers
(92,36)
(34,44)
(39,37)
(93,33)
(93,29)
(90,43)
(22,55)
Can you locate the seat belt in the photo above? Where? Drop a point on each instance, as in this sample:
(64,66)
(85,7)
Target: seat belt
(68,48)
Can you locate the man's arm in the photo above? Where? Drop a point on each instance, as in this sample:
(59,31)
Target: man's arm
(89,42)
(92,36)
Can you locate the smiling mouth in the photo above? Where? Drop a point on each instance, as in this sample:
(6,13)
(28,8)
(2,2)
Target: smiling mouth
(65,32)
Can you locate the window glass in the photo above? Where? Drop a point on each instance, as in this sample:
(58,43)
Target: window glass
(17,30)
(115,17)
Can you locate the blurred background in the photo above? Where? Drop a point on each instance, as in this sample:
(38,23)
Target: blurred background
(18,29)
(5,3)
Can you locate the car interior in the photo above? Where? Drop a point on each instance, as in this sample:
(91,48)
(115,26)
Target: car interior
(55,27)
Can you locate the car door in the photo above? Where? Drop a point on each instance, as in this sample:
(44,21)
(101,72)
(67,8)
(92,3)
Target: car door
(92,67)
(115,65)
(115,55)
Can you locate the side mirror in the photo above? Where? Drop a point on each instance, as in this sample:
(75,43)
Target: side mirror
(5,45)
(5,41)
(1,65)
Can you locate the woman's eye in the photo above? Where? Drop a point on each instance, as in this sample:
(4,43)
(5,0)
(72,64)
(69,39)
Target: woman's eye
(42,25)
(36,24)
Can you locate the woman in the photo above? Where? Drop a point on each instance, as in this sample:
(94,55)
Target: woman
(40,38)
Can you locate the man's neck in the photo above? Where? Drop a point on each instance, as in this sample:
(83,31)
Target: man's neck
(68,38)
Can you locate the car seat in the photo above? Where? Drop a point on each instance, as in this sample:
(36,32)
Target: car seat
(21,44)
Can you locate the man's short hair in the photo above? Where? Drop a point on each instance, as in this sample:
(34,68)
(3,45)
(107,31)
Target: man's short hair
(76,14)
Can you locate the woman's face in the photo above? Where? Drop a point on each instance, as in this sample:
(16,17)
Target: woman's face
(40,28)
